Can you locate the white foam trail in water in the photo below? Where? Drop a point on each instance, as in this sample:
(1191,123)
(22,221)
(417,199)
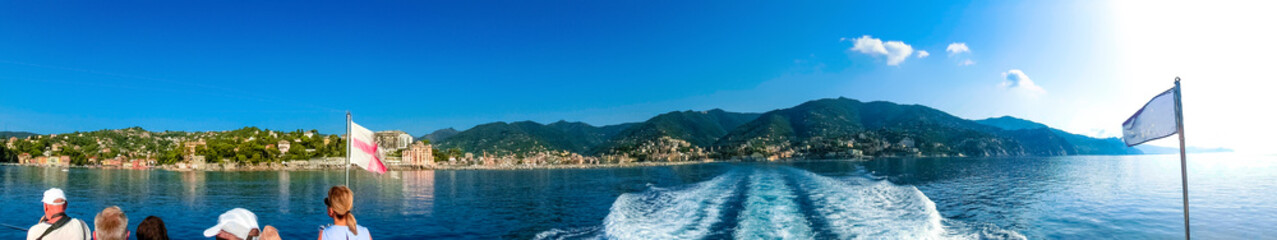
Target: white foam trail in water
(852,208)
(771,211)
(579,233)
(685,213)
(869,209)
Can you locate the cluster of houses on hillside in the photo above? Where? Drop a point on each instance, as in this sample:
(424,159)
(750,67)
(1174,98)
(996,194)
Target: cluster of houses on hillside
(64,161)
(402,148)
(413,154)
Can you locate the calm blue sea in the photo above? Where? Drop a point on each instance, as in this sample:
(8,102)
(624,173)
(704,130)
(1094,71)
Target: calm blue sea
(1078,197)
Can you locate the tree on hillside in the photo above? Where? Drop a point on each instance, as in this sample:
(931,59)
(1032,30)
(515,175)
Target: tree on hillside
(8,155)
(171,155)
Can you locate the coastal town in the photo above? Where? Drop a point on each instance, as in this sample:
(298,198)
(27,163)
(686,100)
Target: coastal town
(247,148)
(254,149)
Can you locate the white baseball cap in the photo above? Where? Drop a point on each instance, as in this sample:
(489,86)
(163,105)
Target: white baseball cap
(238,222)
(52,195)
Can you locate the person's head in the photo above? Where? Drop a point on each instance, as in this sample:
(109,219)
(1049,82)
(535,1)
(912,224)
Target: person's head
(152,228)
(340,200)
(270,233)
(236,224)
(55,202)
(111,224)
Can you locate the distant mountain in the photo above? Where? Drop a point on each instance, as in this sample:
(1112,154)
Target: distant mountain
(439,135)
(1011,123)
(697,128)
(1076,144)
(589,135)
(7,134)
(527,136)
(846,127)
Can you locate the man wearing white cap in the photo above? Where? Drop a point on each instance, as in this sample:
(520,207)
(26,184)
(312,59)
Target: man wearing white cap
(236,224)
(56,224)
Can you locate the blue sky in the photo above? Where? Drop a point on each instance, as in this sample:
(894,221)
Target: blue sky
(1082,66)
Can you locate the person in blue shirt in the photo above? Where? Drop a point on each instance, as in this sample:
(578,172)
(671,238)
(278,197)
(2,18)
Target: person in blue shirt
(340,200)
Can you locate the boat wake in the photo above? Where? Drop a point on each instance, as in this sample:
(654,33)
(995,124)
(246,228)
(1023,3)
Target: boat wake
(779,203)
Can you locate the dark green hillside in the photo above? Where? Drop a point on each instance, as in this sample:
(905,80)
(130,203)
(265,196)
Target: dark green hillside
(1010,123)
(698,129)
(439,135)
(527,137)
(845,127)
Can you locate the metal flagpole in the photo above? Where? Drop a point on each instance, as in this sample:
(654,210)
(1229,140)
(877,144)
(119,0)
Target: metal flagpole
(348,138)
(1183,160)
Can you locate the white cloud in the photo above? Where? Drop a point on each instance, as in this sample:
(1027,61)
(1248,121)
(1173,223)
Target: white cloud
(923,54)
(895,51)
(956,48)
(959,48)
(1016,79)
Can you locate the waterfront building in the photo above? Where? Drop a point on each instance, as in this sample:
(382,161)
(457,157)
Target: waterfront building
(191,146)
(284,145)
(419,154)
(24,158)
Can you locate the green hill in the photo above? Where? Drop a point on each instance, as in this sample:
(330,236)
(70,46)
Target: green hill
(845,127)
(699,129)
(439,135)
(1011,123)
(527,136)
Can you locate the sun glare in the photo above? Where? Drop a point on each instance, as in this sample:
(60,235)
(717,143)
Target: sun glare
(1222,50)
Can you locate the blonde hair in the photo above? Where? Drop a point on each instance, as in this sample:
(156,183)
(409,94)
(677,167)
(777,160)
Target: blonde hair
(341,200)
(111,224)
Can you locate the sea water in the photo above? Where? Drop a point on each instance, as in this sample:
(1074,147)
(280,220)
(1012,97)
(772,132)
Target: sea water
(1076,197)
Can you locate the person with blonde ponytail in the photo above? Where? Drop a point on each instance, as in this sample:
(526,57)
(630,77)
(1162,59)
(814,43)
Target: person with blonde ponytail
(340,201)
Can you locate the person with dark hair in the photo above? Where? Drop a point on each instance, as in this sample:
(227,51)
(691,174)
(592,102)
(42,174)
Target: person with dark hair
(152,228)
(340,200)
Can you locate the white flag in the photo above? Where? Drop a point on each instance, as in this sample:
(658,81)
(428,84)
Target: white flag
(1156,120)
(363,149)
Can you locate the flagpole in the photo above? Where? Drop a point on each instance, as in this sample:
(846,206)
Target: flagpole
(348,137)
(1183,160)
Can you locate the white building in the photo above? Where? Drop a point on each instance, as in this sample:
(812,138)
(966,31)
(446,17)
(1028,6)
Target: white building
(393,140)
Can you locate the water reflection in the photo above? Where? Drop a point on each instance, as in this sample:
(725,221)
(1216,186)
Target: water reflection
(193,187)
(284,197)
(418,192)
(53,177)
